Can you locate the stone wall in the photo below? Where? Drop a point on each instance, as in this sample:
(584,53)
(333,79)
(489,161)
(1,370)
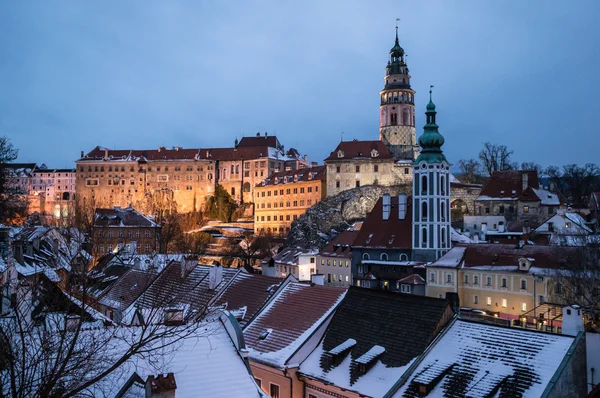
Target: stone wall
(336,213)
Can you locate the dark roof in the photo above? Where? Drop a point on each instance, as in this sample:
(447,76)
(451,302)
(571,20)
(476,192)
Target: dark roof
(413,279)
(250,291)
(296,309)
(259,140)
(47,170)
(596,197)
(502,183)
(393,233)
(403,324)
(127,288)
(298,175)
(360,150)
(341,246)
(121,217)
(246,153)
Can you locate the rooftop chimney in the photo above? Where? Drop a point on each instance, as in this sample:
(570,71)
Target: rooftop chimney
(105,153)
(402,206)
(161,386)
(215,277)
(387,206)
(572,322)
(187,265)
(525,178)
(82,154)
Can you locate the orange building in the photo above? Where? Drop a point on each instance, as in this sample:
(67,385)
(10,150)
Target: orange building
(283,197)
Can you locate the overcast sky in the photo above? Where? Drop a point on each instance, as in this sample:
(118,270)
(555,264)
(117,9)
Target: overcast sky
(140,74)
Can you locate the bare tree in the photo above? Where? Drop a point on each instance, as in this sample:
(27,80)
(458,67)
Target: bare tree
(251,248)
(13,198)
(574,183)
(470,170)
(495,157)
(577,279)
(53,344)
(532,166)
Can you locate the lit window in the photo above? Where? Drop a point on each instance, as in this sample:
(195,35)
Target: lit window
(525,209)
(504,303)
(489,301)
(524,307)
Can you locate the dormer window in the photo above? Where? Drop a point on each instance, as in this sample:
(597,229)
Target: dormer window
(265,334)
(340,154)
(374,153)
(362,364)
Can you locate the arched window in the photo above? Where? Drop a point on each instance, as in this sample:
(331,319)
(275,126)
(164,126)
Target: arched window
(232,169)
(424,237)
(366,256)
(383,257)
(443,210)
(403,257)
(423,185)
(443,185)
(424,210)
(246,187)
(65,196)
(237,169)
(443,237)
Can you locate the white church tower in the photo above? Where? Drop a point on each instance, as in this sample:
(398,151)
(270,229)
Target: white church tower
(431,194)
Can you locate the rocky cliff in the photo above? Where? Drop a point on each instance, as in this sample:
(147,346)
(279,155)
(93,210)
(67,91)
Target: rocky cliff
(325,220)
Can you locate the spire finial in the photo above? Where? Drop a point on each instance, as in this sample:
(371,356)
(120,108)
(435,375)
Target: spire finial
(397,20)
(430,87)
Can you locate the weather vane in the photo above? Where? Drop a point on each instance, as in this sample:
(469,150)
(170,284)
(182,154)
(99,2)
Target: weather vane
(430,87)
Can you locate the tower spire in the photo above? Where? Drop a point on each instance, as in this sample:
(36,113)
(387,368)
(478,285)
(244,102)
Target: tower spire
(397,20)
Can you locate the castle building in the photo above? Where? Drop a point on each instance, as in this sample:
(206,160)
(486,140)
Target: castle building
(397,109)
(431,194)
(286,195)
(179,179)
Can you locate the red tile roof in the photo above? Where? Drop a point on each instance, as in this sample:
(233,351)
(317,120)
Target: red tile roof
(250,291)
(502,183)
(296,309)
(299,175)
(359,150)
(413,279)
(550,256)
(392,233)
(341,246)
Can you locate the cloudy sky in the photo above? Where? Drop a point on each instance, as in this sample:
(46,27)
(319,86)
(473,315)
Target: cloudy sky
(140,74)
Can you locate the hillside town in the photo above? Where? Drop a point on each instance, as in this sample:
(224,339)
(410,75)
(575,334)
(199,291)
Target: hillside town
(251,270)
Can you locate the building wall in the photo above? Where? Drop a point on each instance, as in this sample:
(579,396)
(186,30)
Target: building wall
(268,375)
(105,239)
(343,175)
(330,266)
(571,381)
(241,176)
(276,206)
(531,212)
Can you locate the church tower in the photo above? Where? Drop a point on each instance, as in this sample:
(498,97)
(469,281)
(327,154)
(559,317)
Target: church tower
(397,110)
(431,194)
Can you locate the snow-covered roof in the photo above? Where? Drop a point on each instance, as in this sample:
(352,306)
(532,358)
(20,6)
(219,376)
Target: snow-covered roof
(292,316)
(452,259)
(205,363)
(546,197)
(457,237)
(489,360)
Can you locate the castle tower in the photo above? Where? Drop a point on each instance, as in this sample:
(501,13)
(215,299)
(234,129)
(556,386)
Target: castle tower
(431,194)
(397,110)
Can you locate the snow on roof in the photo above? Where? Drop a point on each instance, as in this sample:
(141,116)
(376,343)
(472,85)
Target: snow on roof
(487,357)
(452,259)
(455,236)
(547,198)
(577,219)
(370,355)
(343,347)
(206,361)
(293,315)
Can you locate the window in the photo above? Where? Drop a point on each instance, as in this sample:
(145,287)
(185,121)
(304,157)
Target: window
(558,288)
(525,209)
(424,210)
(449,278)
(523,284)
(475,299)
(504,303)
(274,391)
(501,209)
(357,184)
(475,279)
(337,184)
(524,307)
(567,225)
(366,256)
(488,300)
(504,281)
(432,277)
(487,210)
(358,169)
(405,288)
(376,168)
(488,281)
(258,382)
(466,279)
(383,257)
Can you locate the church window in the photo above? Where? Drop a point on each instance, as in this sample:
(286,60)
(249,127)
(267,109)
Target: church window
(424,236)
(443,185)
(443,237)
(443,211)
(423,185)
(424,210)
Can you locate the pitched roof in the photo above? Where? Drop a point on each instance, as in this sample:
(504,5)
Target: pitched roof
(359,150)
(402,324)
(393,233)
(127,288)
(298,175)
(288,320)
(502,184)
(341,246)
(481,360)
(500,256)
(413,279)
(247,293)
(289,255)
(258,140)
(122,217)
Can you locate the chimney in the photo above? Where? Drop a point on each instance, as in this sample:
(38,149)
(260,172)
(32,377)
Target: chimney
(500,227)
(258,135)
(402,206)
(386,206)
(215,276)
(187,265)
(454,301)
(161,386)
(18,251)
(317,279)
(105,153)
(82,154)
(525,179)
(266,134)
(572,322)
